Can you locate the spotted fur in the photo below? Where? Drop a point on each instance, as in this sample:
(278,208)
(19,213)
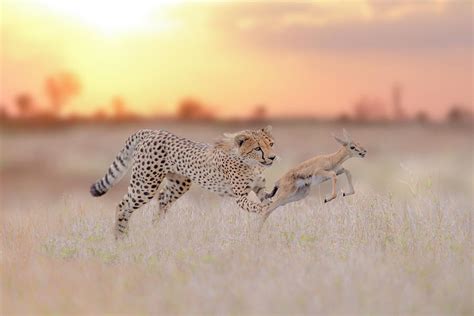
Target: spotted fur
(232,166)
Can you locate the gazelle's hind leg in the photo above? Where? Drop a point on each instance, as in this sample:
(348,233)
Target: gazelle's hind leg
(176,185)
(141,190)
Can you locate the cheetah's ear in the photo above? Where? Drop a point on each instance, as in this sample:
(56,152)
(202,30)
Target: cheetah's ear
(240,139)
(267,129)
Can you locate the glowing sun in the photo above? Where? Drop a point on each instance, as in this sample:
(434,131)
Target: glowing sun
(112,17)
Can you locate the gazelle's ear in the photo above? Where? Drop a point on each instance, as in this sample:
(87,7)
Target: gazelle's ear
(267,129)
(346,134)
(240,139)
(342,142)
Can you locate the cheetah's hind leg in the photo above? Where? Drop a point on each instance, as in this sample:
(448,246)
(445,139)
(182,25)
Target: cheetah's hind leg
(176,185)
(141,190)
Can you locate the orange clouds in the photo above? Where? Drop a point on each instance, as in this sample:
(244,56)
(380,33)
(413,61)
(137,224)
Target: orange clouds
(313,58)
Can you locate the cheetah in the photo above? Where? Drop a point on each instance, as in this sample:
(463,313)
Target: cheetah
(232,166)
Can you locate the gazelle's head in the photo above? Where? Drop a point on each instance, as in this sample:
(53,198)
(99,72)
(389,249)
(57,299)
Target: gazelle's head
(353,148)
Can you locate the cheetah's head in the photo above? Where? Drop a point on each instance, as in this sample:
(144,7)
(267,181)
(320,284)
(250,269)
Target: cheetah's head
(254,146)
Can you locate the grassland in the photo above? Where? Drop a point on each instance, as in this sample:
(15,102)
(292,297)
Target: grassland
(401,245)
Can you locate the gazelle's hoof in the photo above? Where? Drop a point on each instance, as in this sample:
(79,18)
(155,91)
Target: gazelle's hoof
(326,200)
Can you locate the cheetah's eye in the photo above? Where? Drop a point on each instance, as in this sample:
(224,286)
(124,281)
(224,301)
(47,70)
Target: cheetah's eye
(271,144)
(352,147)
(258,149)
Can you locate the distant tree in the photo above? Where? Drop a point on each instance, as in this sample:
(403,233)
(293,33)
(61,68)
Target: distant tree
(3,112)
(99,115)
(119,107)
(74,117)
(259,113)
(24,104)
(60,88)
(343,118)
(459,114)
(191,109)
(366,110)
(422,117)
(398,111)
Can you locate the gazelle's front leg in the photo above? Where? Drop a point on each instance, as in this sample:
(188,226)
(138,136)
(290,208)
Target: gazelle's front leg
(332,175)
(349,181)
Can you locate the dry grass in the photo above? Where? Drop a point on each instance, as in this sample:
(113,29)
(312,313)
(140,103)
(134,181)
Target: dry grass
(401,245)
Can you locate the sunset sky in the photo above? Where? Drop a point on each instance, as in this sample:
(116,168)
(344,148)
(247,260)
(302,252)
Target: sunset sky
(299,58)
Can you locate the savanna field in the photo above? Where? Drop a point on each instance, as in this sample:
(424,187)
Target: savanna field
(401,245)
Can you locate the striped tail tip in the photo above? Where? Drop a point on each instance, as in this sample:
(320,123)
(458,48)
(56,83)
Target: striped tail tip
(96,192)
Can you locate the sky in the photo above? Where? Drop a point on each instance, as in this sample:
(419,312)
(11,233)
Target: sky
(312,58)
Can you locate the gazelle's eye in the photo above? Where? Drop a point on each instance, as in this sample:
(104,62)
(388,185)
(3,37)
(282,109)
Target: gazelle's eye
(352,147)
(258,149)
(271,144)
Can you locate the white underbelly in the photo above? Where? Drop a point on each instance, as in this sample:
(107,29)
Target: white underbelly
(314,180)
(317,179)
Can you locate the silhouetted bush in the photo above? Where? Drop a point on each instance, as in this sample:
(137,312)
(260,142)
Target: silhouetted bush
(119,108)
(366,110)
(422,117)
(259,113)
(343,118)
(3,112)
(24,104)
(459,114)
(191,109)
(60,88)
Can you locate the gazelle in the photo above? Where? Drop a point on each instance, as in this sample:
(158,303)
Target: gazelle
(296,183)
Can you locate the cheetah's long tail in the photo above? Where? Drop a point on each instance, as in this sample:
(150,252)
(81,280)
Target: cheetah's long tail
(120,165)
